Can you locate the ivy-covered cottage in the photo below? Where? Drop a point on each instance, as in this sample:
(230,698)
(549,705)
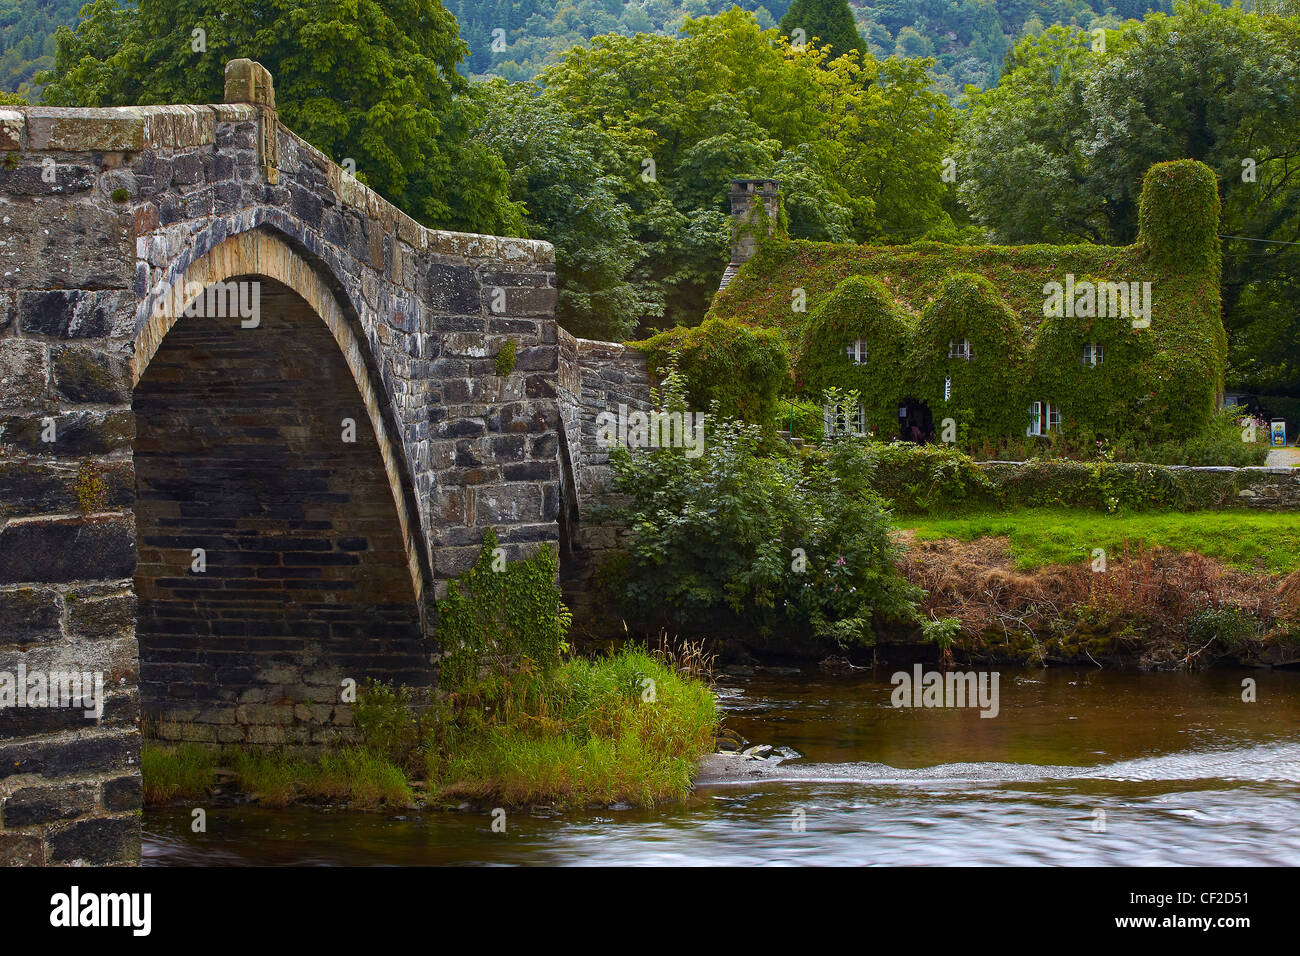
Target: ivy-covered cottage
(996,341)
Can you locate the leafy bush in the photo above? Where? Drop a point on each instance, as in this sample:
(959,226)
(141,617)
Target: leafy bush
(926,477)
(790,545)
(1219,444)
(1231,628)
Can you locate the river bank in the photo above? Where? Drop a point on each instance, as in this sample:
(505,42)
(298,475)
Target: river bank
(1173,591)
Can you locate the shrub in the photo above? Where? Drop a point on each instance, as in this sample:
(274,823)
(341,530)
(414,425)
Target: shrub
(742,368)
(1219,444)
(926,477)
(507,613)
(797,546)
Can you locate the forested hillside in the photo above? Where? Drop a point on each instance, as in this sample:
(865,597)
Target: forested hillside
(515,39)
(968,38)
(27,37)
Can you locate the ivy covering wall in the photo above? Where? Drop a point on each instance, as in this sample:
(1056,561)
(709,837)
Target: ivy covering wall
(1156,381)
(742,367)
(859,309)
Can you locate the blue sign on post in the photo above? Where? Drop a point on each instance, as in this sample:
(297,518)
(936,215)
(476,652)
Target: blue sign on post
(1277,432)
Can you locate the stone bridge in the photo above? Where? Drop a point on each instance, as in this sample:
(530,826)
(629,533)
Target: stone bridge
(252,418)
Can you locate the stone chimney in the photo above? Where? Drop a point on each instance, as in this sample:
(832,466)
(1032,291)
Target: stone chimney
(746,194)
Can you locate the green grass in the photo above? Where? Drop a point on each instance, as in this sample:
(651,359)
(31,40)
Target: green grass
(172,773)
(1250,541)
(587,734)
(353,775)
(584,732)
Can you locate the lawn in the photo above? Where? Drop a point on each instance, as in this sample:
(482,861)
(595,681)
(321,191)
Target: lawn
(1248,540)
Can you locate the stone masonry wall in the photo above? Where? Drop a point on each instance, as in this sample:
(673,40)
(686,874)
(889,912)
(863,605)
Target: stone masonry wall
(594,377)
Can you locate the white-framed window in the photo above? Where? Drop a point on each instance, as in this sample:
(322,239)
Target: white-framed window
(1094,355)
(839,420)
(1043,418)
(857,351)
(960,350)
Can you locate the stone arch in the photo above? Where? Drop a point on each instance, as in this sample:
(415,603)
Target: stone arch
(238,452)
(259,252)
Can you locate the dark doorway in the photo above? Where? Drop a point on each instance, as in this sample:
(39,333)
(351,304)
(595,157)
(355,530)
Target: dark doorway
(914,421)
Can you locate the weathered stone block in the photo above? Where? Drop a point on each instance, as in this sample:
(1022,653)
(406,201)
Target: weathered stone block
(449,289)
(96,841)
(56,550)
(21,849)
(123,793)
(85,375)
(532,471)
(540,358)
(29,616)
(92,752)
(508,504)
(74,433)
(42,486)
(72,313)
(12,124)
(33,805)
(23,373)
(41,178)
(54,244)
(102,617)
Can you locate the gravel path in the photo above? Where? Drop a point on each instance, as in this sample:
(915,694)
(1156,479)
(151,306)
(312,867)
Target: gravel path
(1284,458)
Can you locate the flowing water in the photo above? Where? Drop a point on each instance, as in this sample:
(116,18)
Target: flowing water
(1078,767)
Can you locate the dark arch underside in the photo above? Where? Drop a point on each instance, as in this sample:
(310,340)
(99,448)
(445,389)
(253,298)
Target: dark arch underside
(241,452)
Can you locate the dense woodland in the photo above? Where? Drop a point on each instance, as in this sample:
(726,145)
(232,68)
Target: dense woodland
(618,148)
(967,38)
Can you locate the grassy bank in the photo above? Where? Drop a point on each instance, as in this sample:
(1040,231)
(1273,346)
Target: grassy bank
(356,776)
(1038,537)
(1176,590)
(625,728)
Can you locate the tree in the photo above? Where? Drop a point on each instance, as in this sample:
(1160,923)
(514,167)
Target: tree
(830,22)
(1057,150)
(855,142)
(371,80)
(566,175)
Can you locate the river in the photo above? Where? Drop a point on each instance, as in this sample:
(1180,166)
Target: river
(1078,767)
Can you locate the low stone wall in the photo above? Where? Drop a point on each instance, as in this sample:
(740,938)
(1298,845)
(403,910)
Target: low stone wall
(1181,486)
